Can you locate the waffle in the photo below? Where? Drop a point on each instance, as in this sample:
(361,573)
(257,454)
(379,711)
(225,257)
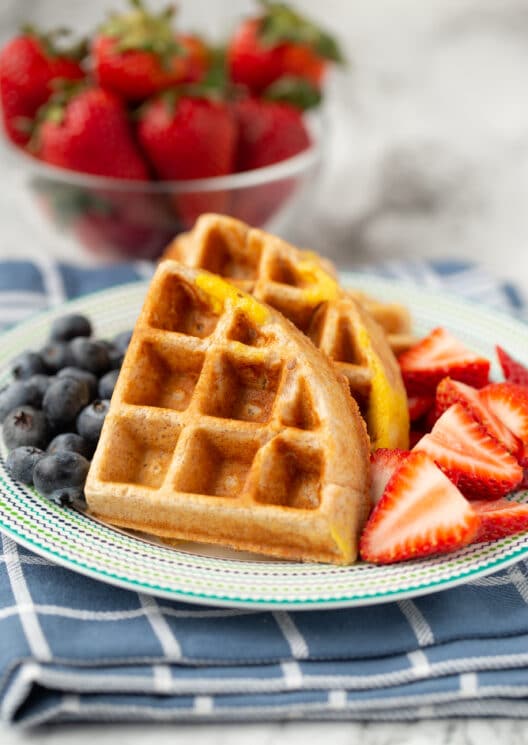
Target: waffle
(228,426)
(303,287)
(248,258)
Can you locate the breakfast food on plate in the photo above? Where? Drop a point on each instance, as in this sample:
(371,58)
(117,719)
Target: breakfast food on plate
(237,264)
(226,415)
(228,426)
(302,287)
(450,490)
(53,411)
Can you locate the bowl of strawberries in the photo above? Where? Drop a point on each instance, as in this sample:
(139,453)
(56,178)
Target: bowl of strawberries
(127,137)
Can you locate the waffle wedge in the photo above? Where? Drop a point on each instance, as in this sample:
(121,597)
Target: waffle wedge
(228,426)
(248,258)
(303,287)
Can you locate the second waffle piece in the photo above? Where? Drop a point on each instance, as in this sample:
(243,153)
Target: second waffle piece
(302,286)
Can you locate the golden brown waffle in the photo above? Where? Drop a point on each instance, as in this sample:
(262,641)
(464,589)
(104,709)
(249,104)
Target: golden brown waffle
(348,334)
(394,319)
(299,284)
(250,259)
(228,426)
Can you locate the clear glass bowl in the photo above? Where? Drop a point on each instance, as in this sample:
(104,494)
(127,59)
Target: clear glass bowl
(116,218)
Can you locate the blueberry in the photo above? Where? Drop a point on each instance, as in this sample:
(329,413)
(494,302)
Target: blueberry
(91,419)
(21,463)
(77,374)
(25,426)
(41,383)
(56,355)
(27,364)
(107,384)
(122,340)
(70,327)
(115,355)
(71,442)
(61,476)
(90,355)
(63,400)
(19,393)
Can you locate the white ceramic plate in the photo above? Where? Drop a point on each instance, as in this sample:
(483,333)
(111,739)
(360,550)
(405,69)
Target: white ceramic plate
(206,575)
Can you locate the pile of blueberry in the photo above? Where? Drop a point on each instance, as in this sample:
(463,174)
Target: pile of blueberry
(53,412)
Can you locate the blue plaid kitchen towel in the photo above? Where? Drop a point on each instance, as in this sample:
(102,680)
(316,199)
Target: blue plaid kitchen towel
(74,649)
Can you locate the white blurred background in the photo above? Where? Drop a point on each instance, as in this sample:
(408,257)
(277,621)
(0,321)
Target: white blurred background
(428,154)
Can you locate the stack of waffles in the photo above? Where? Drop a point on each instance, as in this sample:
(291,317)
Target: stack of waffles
(232,420)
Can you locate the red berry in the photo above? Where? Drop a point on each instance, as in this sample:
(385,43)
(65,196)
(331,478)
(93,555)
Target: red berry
(420,513)
(137,54)
(479,465)
(513,370)
(190,138)
(279,43)
(27,70)
(437,356)
(91,134)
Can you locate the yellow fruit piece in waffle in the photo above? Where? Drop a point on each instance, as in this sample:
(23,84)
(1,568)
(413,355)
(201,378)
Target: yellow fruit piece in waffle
(304,288)
(228,426)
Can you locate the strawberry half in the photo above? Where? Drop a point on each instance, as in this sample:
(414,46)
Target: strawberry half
(437,356)
(513,371)
(383,463)
(451,392)
(479,465)
(419,406)
(500,518)
(509,403)
(420,513)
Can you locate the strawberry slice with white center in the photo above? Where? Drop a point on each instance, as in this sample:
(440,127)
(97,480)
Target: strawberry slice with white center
(509,403)
(499,518)
(437,356)
(513,370)
(420,513)
(479,465)
(383,463)
(450,392)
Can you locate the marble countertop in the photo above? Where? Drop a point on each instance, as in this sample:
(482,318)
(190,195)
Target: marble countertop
(428,158)
(448,732)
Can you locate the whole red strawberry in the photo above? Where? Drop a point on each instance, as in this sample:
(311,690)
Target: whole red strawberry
(268,133)
(29,64)
(279,43)
(187,137)
(88,131)
(138,54)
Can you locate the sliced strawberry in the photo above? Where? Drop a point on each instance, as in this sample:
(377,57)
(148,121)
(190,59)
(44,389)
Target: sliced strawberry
(415,435)
(437,356)
(513,371)
(500,518)
(383,463)
(420,513)
(479,465)
(451,392)
(419,406)
(509,403)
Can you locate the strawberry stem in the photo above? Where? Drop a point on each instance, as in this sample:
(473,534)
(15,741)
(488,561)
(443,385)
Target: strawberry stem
(143,31)
(281,24)
(51,42)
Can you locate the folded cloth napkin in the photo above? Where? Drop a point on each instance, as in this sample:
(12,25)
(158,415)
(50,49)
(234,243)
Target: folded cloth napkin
(73,649)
